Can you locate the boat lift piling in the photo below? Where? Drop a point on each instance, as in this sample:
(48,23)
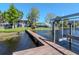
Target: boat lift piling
(62,28)
(53,29)
(53,21)
(70,26)
(70,36)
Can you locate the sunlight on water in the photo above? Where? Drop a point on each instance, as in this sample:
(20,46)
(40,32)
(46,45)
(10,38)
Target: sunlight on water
(63,42)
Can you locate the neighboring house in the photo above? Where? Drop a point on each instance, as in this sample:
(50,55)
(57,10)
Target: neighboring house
(42,25)
(20,23)
(5,25)
(48,24)
(1,25)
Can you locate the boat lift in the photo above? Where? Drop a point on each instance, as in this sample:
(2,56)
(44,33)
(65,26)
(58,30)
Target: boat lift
(71,16)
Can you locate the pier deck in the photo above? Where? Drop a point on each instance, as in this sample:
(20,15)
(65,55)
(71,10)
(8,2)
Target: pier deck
(48,48)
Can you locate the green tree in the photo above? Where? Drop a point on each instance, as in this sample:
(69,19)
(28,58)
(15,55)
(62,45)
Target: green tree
(29,21)
(12,15)
(33,16)
(65,23)
(1,17)
(49,16)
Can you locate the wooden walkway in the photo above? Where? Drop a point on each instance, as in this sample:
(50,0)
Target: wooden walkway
(48,48)
(42,50)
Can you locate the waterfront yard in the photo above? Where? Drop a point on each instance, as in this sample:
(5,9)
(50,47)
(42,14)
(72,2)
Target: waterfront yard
(20,29)
(5,36)
(6,33)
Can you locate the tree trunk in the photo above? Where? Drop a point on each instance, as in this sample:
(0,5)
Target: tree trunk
(11,25)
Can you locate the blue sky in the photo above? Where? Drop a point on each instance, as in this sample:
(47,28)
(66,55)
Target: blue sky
(59,9)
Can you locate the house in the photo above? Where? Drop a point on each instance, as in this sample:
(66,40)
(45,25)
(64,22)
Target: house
(5,25)
(20,23)
(42,25)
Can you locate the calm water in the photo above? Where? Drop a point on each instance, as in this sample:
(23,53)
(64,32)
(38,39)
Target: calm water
(24,43)
(64,43)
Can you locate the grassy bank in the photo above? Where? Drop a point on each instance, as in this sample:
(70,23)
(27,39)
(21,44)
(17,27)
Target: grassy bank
(43,28)
(20,29)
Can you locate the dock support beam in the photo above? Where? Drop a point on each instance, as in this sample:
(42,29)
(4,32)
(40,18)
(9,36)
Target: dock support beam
(62,28)
(74,26)
(69,36)
(53,29)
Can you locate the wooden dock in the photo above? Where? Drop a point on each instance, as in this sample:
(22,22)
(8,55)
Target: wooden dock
(42,50)
(48,48)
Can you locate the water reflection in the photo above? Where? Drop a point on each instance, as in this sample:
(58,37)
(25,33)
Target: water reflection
(24,43)
(46,34)
(64,43)
(3,48)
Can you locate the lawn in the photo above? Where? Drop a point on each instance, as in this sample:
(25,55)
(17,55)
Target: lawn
(43,28)
(20,29)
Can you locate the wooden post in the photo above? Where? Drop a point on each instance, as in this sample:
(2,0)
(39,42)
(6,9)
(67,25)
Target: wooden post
(74,26)
(53,29)
(69,36)
(62,29)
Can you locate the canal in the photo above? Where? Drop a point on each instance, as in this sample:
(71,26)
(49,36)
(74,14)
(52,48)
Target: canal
(63,42)
(24,42)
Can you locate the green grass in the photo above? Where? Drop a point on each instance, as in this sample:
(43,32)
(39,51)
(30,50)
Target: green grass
(20,29)
(43,28)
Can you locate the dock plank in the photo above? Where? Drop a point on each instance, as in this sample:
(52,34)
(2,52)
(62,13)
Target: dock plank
(48,48)
(42,50)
